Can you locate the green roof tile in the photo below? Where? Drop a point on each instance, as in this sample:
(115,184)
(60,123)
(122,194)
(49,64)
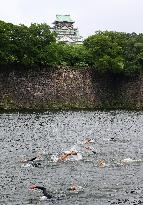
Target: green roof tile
(65,18)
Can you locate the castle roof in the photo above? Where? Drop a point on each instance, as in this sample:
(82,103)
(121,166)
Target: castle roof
(63,18)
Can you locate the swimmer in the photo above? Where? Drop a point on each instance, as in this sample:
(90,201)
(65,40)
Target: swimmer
(45,193)
(65,156)
(70,155)
(88,141)
(90,149)
(38,158)
(75,189)
(101,163)
(129,160)
(34,161)
(29,160)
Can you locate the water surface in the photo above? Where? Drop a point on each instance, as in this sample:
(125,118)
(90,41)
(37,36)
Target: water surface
(118,135)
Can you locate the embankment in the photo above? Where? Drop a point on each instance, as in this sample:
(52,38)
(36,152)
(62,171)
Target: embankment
(66,88)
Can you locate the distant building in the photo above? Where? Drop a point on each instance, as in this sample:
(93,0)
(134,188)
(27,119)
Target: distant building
(63,27)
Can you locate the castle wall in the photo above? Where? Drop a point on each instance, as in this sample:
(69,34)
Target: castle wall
(68,88)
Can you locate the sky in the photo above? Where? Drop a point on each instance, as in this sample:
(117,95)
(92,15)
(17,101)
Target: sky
(89,15)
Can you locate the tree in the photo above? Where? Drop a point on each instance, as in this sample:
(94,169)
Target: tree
(24,45)
(5,43)
(106,52)
(74,55)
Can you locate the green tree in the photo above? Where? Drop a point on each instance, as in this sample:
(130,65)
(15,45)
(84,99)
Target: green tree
(24,45)
(106,52)
(74,55)
(37,43)
(5,43)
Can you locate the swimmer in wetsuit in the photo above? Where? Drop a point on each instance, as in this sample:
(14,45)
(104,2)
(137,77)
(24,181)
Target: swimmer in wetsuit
(34,161)
(46,195)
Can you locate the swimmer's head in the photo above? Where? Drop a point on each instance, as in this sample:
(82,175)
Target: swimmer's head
(33,187)
(70,152)
(73,152)
(73,188)
(88,140)
(101,163)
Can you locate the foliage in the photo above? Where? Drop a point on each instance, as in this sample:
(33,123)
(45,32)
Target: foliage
(115,51)
(24,45)
(74,55)
(106,51)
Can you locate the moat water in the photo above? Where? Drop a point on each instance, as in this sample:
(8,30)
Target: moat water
(118,139)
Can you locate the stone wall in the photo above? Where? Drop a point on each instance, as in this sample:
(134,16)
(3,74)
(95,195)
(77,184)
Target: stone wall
(68,88)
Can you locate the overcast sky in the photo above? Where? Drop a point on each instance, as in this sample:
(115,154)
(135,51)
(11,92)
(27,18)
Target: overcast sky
(89,15)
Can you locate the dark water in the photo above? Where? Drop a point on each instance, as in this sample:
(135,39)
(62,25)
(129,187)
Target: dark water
(118,135)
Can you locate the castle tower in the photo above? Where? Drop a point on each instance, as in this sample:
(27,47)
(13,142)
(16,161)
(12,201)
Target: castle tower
(64,28)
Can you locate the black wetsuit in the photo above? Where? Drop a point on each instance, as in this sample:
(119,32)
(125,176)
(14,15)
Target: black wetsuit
(49,196)
(35,164)
(31,160)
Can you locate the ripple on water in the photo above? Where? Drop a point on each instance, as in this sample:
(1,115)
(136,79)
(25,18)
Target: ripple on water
(117,136)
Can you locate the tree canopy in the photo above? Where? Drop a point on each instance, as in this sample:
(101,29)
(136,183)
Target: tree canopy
(115,51)
(105,51)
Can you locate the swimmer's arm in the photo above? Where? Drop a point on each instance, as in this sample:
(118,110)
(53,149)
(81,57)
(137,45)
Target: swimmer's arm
(32,159)
(64,156)
(91,149)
